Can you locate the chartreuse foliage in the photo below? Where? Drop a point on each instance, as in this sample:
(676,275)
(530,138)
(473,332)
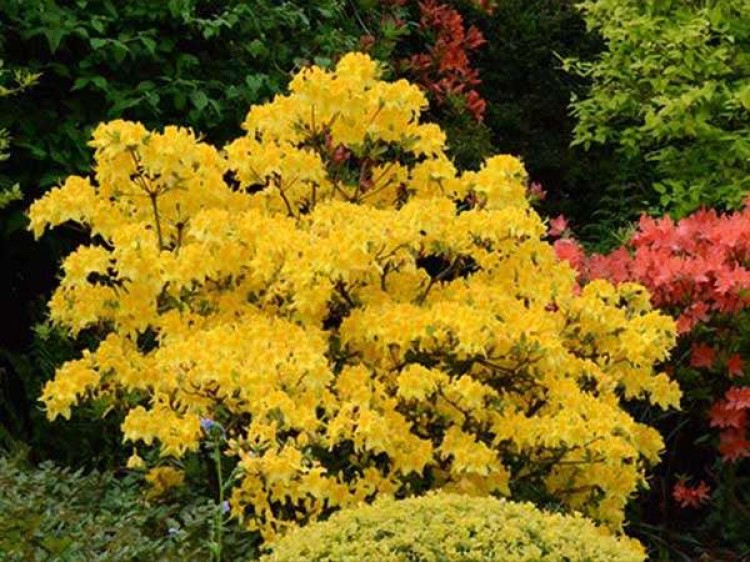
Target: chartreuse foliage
(672,93)
(451,527)
(359,317)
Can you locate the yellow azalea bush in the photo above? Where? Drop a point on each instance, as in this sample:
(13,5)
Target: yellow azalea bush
(360,317)
(451,527)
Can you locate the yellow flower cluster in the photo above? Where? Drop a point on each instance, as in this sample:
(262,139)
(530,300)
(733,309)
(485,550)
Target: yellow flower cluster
(362,318)
(450,527)
(162,479)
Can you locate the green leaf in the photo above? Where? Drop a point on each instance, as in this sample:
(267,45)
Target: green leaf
(80,83)
(150,44)
(744,97)
(257,48)
(180,99)
(123,104)
(120,51)
(199,99)
(254,83)
(100,82)
(14,222)
(97,25)
(54,36)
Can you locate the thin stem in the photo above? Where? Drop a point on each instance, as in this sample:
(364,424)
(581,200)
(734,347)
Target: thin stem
(358,18)
(341,289)
(338,188)
(219,518)
(285,199)
(438,278)
(375,115)
(375,189)
(152,196)
(180,230)
(139,174)
(363,168)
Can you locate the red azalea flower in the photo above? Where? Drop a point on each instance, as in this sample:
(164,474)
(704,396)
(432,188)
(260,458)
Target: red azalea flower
(557,226)
(702,356)
(570,250)
(735,366)
(536,191)
(733,445)
(738,398)
(723,415)
(690,496)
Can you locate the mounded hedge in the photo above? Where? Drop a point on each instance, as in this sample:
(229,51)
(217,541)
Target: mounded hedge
(450,527)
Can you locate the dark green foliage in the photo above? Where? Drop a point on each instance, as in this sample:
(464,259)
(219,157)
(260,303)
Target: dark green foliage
(717,530)
(12,82)
(469,141)
(197,63)
(528,94)
(52,514)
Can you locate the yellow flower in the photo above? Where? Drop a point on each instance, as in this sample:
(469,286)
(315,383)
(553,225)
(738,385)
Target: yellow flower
(135,462)
(162,479)
(316,285)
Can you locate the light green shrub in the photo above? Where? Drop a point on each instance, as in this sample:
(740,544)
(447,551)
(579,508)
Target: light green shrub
(671,95)
(449,527)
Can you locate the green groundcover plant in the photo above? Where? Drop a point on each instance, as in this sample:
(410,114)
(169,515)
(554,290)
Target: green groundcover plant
(48,513)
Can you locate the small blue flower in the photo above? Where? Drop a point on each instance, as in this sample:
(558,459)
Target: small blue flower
(207,424)
(225,507)
(172,532)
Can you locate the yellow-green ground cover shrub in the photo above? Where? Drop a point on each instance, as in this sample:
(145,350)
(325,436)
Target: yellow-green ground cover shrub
(450,527)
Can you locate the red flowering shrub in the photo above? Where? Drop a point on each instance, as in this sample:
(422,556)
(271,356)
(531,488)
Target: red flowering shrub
(437,56)
(445,69)
(698,270)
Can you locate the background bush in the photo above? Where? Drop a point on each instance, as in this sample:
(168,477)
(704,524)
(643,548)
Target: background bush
(450,527)
(198,63)
(671,95)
